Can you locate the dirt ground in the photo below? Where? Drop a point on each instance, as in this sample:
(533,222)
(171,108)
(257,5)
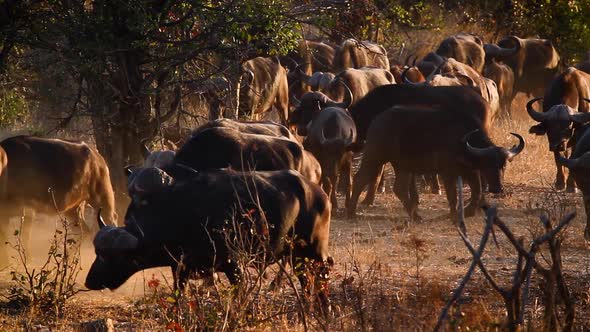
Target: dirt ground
(406,265)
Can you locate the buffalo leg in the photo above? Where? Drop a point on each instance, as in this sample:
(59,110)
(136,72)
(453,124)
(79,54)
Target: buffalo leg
(570,186)
(559,177)
(476,200)
(401,188)
(432,180)
(328,186)
(373,186)
(346,172)
(587,208)
(450,184)
(368,171)
(333,199)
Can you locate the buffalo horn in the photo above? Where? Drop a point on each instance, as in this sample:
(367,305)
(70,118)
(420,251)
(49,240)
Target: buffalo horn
(145,150)
(101,223)
(406,80)
(296,101)
(188,168)
(494,50)
(478,152)
(435,71)
(304,77)
(348,97)
(515,150)
(580,117)
(537,116)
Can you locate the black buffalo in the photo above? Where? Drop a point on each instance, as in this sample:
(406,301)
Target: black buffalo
(421,140)
(194,219)
(579,166)
(330,135)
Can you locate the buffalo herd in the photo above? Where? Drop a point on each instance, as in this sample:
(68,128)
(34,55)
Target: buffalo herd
(279,180)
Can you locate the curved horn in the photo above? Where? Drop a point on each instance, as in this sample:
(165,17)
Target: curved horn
(296,101)
(188,168)
(493,50)
(515,150)
(537,116)
(406,80)
(101,223)
(304,77)
(348,97)
(129,169)
(145,151)
(477,152)
(580,117)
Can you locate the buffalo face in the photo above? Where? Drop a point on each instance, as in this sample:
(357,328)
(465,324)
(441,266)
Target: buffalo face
(557,122)
(116,250)
(491,161)
(311,104)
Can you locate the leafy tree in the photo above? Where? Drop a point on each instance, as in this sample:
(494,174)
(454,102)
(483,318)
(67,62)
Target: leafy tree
(131,58)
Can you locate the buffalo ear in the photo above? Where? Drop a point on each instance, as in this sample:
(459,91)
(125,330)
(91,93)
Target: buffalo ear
(538,129)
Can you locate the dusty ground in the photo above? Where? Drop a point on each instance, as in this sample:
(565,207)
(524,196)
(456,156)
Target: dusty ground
(406,270)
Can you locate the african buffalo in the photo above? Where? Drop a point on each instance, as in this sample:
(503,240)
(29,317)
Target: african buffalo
(310,57)
(384,97)
(429,63)
(579,167)
(503,76)
(565,110)
(451,141)
(159,159)
(454,73)
(329,136)
(357,54)
(349,86)
(465,48)
(219,147)
(263,85)
(412,73)
(268,128)
(53,176)
(534,62)
(190,225)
